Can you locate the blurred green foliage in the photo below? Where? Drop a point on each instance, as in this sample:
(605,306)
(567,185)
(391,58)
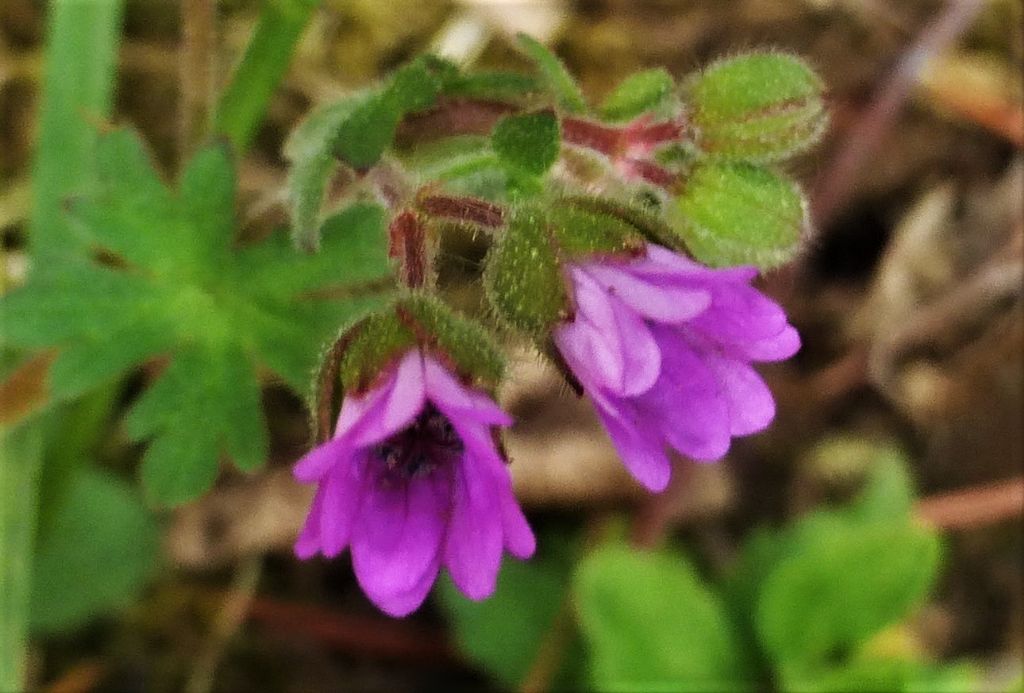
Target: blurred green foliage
(804,607)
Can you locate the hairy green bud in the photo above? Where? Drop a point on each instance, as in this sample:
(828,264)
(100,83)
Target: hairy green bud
(734,213)
(757,107)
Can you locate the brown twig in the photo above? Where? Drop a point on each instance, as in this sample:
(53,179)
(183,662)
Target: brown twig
(229,620)
(551,652)
(834,186)
(979,506)
(196,74)
(357,635)
(653,519)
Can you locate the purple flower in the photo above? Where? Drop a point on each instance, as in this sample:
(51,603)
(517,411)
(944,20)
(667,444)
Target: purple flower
(663,347)
(412,481)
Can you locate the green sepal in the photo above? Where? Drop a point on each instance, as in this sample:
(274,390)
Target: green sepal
(757,107)
(644,220)
(423,322)
(639,93)
(733,213)
(523,278)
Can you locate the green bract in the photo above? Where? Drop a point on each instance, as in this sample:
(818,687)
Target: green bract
(172,283)
(738,213)
(423,322)
(757,107)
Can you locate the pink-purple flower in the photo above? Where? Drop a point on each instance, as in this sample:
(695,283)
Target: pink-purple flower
(663,347)
(412,481)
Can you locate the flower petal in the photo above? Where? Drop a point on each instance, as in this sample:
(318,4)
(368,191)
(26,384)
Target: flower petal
(612,338)
(653,299)
(321,459)
(456,400)
(473,546)
(776,348)
(740,313)
(687,403)
(482,452)
(404,603)
(342,494)
(398,531)
(670,265)
(637,442)
(518,537)
(404,401)
(750,402)
(307,544)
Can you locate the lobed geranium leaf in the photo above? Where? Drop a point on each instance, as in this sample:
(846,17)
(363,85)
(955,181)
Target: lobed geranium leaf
(178,288)
(639,93)
(557,79)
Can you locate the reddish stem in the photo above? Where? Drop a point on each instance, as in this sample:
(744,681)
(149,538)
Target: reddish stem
(466,209)
(408,244)
(601,138)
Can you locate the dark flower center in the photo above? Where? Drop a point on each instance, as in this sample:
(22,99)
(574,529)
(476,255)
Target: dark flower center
(421,447)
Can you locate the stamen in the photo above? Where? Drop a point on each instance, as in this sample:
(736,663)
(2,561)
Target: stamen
(427,443)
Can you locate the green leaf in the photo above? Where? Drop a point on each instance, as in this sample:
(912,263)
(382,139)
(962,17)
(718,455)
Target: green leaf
(369,129)
(504,633)
(757,107)
(888,492)
(528,143)
(357,130)
(21,457)
(492,85)
(309,151)
(736,214)
(101,548)
(889,676)
(840,584)
(637,94)
(183,290)
(556,78)
(650,624)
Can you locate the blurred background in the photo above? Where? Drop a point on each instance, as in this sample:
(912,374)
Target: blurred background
(870,540)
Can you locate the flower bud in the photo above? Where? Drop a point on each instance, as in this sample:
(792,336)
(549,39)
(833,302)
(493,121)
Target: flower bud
(757,107)
(733,213)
